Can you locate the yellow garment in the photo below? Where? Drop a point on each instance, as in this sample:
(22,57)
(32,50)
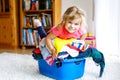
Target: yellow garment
(59,43)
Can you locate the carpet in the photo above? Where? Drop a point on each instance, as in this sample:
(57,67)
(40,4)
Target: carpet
(24,67)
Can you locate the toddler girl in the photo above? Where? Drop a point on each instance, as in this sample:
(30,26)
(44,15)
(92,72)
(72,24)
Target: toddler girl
(73,25)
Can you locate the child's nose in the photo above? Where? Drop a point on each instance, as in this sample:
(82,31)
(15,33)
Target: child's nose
(72,25)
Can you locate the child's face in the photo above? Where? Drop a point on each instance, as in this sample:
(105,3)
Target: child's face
(72,25)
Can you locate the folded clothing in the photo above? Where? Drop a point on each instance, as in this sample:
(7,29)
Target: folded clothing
(36,53)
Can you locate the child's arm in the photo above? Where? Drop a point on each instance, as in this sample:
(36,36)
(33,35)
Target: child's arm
(49,44)
(83,33)
(83,36)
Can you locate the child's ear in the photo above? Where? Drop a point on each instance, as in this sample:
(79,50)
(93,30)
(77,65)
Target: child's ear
(63,21)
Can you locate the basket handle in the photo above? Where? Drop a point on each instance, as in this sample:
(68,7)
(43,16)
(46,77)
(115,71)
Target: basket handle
(77,62)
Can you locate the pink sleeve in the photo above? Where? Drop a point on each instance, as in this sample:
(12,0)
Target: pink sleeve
(55,31)
(83,31)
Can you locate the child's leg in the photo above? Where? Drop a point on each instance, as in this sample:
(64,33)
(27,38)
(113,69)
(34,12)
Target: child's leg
(97,57)
(41,32)
(101,62)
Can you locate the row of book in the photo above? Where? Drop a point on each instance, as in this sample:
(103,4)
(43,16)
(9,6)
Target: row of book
(30,36)
(45,18)
(36,4)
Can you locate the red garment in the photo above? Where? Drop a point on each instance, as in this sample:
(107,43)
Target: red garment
(64,34)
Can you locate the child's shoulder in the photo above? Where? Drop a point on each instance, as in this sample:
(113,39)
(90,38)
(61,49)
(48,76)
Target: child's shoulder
(59,26)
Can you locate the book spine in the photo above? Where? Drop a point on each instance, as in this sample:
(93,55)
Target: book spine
(28,20)
(24,36)
(33,4)
(37,4)
(27,5)
(46,19)
(30,36)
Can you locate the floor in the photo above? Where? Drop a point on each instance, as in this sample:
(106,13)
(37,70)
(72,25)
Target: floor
(19,51)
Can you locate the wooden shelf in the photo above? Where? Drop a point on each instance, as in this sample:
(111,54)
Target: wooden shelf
(54,11)
(35,11)
(4,14)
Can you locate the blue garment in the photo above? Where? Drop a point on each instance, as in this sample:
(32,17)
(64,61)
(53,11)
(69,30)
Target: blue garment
(41,32)
(96,55)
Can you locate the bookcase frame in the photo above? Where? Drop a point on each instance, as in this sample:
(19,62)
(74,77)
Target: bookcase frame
(55,11)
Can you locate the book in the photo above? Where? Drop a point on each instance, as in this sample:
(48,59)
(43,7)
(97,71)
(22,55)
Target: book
(44,4)
(28,20)
(24,21)
(30,31)
(36,37)
(27,5)
(37,4)
(46,19)
(24,36)
(27,37)
(49,19)
(47,4)
(43,20)
(33,4)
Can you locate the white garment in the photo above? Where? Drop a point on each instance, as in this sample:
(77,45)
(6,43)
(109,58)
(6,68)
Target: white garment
(37,22)
(71,52)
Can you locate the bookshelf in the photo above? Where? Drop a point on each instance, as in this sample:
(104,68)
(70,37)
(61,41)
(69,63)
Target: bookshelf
(50,11)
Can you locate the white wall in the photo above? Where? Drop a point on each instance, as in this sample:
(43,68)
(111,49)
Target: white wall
(107,26)
(119,29)
(86,5)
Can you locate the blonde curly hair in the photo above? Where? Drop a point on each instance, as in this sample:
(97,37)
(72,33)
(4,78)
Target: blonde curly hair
(74,13)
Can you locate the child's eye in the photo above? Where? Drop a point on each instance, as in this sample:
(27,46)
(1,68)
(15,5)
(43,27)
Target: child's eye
(76,24)
(70,22)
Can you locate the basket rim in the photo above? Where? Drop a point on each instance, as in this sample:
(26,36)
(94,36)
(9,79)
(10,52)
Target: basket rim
(73,59)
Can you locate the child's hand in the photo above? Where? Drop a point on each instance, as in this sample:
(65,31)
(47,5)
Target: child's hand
(54,55)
